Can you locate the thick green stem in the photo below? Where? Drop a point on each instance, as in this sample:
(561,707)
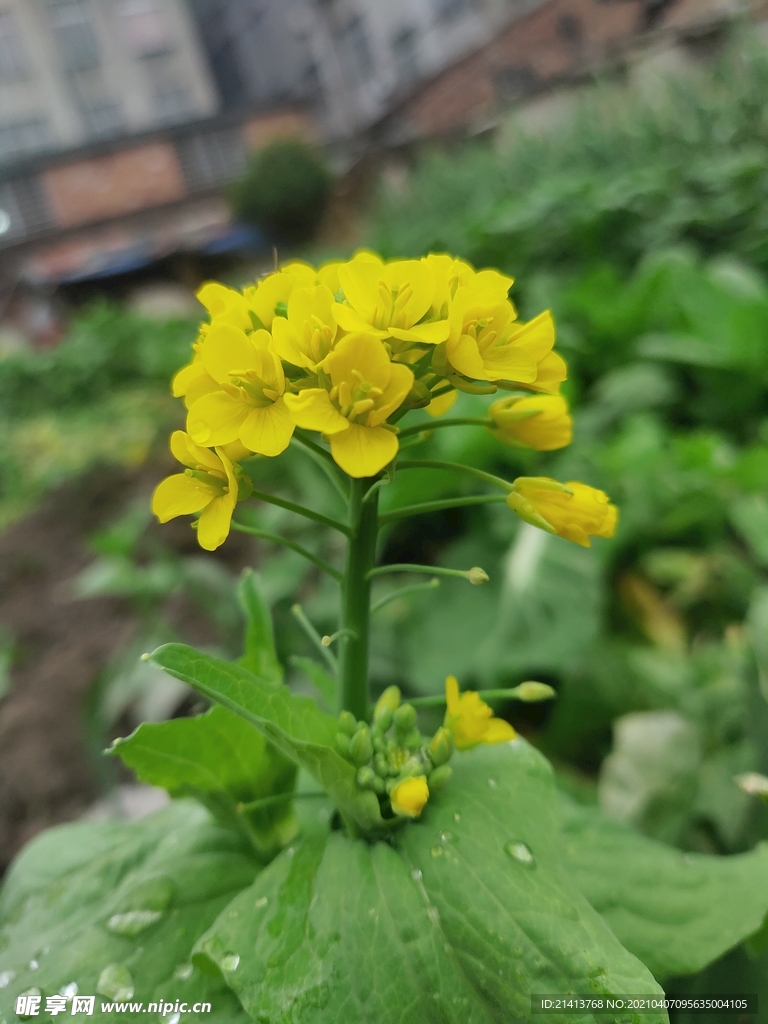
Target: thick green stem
(356,600)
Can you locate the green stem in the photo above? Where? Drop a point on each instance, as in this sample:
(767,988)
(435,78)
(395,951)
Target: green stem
(456,467)
(278,798)
(439,700)
(429,570)
(308,513)
(416,588)
(455,422)
(323,458)
(298,613)
(356,599)
(275,538)
(437,506)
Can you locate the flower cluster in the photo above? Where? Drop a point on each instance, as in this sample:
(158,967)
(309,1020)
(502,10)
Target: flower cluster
(346,350)
(400,765)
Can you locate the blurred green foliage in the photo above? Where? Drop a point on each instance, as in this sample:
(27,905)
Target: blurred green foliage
(100,397)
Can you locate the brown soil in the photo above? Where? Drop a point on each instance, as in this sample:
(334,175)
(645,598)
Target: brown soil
(47,773)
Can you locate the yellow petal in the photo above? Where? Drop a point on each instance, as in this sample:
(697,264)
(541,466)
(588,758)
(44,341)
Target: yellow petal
(179,495)
(215,419)
(509,362)
(351,321)
(270,290)
(440,405)
(537,336)
(363,451)
(359,281)
(312,409)
(550,373)
(428,334)
(396,391)
(464,356)
(186,377)
(363,354)
(499,731)
(213,525)
(452,694)
(419,276)
(409,796)
(287,343)
(226,349)
(268,431)
(193,455)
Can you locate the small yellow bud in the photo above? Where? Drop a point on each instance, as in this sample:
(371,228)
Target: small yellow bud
(409,796)
(531,692)
(382,717)
(477,576)
(389,699)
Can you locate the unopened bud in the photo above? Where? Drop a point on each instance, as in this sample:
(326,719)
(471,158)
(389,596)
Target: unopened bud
(441,746)
(382,717)
(477,576)
(405,719)
(342,743)
(532,691)
(381,765)
(413,740)
(366,777)
(389,699)
(412,767)
(360,746)
(347,723)
(439,777)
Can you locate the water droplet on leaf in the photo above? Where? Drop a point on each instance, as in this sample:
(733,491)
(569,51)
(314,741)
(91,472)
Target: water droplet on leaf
(174,1018)
(70,990)
(436,851)
(133,922)
(521,853)
(230,962)
(6,977)
(115,982)
(416,875)
(33,965)
(183,972)
(492,783)
(456,817)
(262,901)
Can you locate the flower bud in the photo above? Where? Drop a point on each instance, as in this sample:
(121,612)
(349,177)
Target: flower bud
(412,767)
(439,777)
(342,744)
(413,741)
(390,698)
(405,719)
(360,746)
(366,777)
(477,576)
(347,723)
(441,746)
(379,741)
(409,796)
(531,691)
(382,717)
(381,766)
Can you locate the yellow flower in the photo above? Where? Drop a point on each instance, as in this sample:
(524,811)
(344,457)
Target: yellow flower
(537,339)
(390,299)
(573,510)
(542,422)
(306,334)
(249,404)
(470,720)
(409,796)
(440,405)
(208,486)
(366,387)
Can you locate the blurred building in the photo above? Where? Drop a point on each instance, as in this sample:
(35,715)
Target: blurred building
(351,59)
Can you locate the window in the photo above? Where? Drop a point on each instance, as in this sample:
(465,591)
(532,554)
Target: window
(211,159)
(405,54)
(22,139)
(172,100)
(12,61)
(144,27)
(72,23)
(446,10)
(101,113)
(355,52)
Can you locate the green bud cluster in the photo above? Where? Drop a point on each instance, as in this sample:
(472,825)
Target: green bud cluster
(392,749)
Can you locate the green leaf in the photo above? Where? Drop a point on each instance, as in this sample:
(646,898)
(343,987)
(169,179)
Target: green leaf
(221,759)
(294,724)
(445,926)
(323,682)
(676,911)
(136,896)
(260,656)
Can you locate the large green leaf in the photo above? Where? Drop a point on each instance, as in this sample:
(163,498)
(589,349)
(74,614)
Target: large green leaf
(129,897)
(676,911)
(260,656)
(223,761)
(294,724)
(459,922)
